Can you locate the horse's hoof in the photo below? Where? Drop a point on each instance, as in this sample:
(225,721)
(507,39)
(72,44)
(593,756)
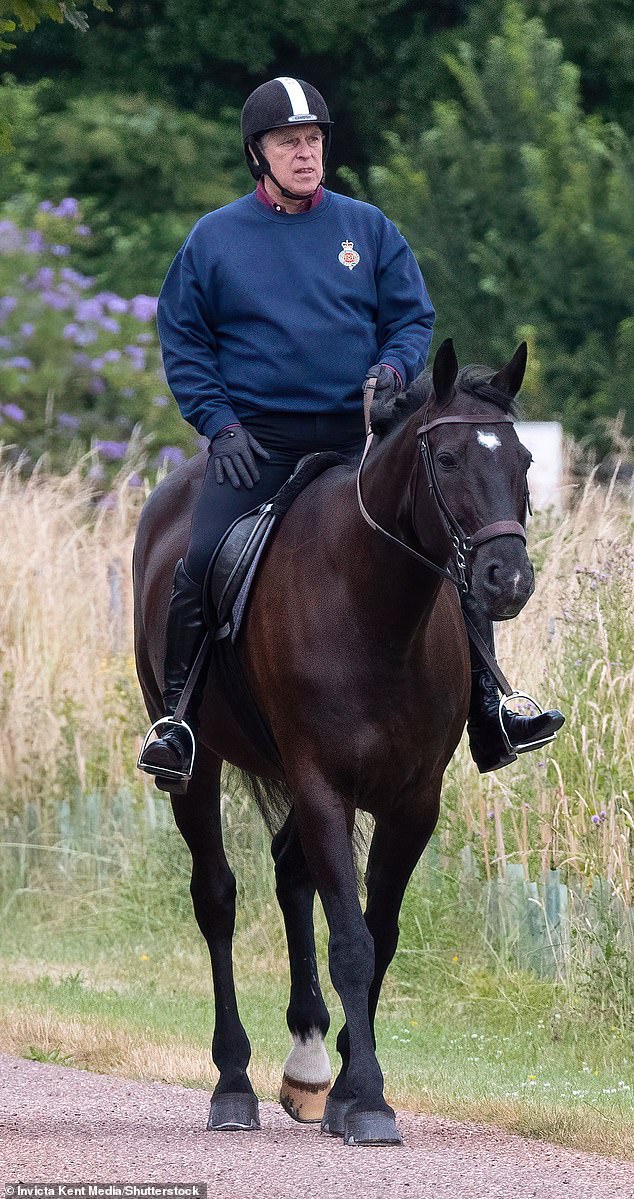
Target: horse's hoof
(304,1101)
(371,1128)
(233,1113)
(334,1117)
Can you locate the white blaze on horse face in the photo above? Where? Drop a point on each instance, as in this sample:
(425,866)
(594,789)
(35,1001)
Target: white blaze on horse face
(308,1060)
(490,440)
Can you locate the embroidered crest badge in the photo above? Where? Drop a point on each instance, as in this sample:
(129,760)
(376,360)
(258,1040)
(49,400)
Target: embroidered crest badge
(348,256)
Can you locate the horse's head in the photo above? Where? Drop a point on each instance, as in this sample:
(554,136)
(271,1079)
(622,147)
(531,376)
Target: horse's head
(473,460)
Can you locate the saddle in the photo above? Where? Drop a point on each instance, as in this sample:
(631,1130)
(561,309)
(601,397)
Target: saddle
(235,562)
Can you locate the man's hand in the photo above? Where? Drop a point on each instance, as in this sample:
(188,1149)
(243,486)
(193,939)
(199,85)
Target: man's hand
(381,386)
(233,452)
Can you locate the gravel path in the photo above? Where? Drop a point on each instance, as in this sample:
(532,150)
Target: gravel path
(61,1124)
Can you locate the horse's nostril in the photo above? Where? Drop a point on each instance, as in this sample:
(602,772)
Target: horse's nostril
(491,573)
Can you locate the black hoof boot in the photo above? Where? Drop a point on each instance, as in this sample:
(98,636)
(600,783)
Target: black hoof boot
(371,1128)
(233,1113)
(334,1117)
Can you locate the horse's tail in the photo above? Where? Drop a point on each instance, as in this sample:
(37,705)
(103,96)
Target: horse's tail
(274,800)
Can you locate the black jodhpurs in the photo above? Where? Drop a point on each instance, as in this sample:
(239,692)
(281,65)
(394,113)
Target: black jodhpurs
(287,437)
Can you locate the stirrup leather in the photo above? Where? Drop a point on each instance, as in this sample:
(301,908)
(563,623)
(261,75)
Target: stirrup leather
(164,771)
(522,747)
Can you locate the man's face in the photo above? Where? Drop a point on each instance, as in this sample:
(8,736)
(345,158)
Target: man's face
(295,155)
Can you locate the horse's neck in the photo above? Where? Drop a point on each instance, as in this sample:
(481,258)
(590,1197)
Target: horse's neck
(401,591)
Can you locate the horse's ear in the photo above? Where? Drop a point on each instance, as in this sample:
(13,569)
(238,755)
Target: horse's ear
(445,371)
(510,378)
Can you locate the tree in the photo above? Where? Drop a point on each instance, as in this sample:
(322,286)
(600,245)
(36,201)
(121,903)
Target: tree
(27,14)
(521,211)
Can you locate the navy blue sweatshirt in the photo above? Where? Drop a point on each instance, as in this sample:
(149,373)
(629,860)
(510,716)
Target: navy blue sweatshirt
(265,311)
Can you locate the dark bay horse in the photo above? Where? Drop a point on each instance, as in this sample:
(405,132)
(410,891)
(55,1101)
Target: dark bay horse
(355,649)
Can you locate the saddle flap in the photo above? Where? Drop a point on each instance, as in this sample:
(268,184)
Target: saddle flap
(234,564)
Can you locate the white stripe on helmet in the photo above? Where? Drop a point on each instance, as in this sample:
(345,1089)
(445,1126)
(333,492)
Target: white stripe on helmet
(297,97)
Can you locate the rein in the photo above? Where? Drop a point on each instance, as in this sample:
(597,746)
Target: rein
(463,544)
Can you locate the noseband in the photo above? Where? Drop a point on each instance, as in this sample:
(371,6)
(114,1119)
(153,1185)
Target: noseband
(463,544)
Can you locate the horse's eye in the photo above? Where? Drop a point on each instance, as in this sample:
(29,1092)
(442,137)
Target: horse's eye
(447,461)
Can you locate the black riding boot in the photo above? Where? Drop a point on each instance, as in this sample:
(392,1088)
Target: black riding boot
(170,757)
(489,748)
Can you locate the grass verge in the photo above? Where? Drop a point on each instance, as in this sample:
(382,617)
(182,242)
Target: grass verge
(469,1046)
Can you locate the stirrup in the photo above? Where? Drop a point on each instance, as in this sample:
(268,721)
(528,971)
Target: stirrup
(522,747)
(164,772)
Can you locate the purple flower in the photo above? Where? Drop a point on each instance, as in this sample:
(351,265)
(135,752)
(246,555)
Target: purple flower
(135,480)
(145,339)
(20,364)
(170,455)
(137,357)
(27,329)
(69,332)
(46,206)
(97,386)
(490,815)
(109,324)
(88,310)
(108,502)
(44,277)
(127,392)
(82,230)
(66,420)
(60,251)
(113,451)
(67,207)
(35,243)
(75,278)
(97,472)
(111,356)
(7,305)
(595,819)
(112,301)
(10,237)
(55,299)
(160,401)
(13,412)
(143,308)
(85,337)
(5,343)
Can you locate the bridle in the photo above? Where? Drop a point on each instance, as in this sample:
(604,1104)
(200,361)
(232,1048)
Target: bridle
(463,544)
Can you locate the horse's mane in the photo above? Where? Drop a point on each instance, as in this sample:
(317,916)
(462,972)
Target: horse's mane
(473,380)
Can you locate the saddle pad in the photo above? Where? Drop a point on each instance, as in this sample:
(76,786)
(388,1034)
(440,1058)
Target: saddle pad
(234,564)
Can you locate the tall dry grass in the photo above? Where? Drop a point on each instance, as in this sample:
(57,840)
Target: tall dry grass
(71,714)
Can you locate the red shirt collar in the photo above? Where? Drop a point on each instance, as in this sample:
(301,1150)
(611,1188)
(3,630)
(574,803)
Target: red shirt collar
(312,202)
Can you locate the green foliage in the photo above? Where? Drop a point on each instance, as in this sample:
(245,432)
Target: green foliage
(77,362)
(143,171)
(521,211)
(29,13)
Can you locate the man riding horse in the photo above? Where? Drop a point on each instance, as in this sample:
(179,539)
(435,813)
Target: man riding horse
(273,313)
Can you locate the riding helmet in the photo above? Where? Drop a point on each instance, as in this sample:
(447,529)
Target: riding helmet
(282,101)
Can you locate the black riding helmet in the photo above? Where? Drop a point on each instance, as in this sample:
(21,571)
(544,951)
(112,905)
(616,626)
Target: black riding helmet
(273,105)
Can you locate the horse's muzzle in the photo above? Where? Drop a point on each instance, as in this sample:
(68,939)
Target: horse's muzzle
(503,578)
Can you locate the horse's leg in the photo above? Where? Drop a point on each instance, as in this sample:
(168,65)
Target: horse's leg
(234,1104)
(307,1074)
(394,852)
(324,821)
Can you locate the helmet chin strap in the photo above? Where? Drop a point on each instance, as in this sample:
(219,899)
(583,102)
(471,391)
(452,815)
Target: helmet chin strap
(265,169)
(292,195)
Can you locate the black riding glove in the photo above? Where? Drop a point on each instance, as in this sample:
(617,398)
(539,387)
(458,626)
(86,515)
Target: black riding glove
(232,451)
(381,387)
